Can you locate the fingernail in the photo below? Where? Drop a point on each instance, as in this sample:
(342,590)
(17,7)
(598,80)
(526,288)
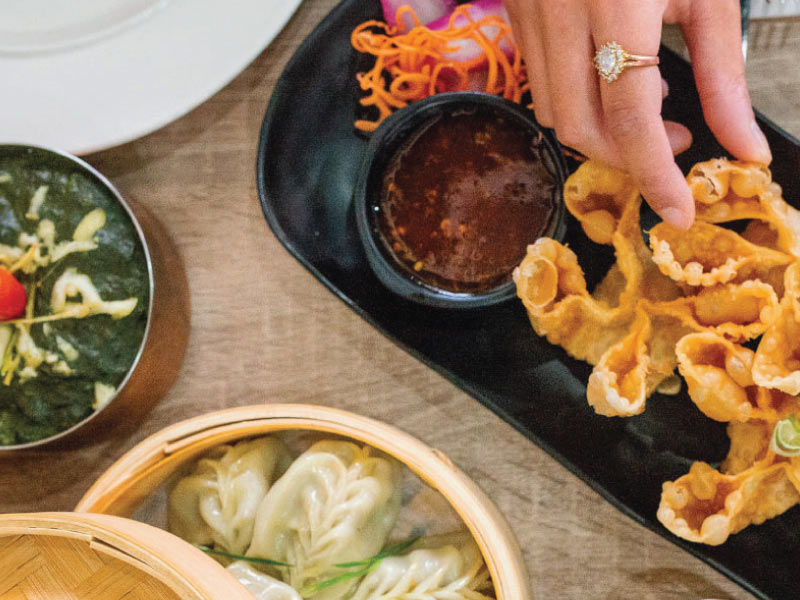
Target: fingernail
(761,142)
(675,217)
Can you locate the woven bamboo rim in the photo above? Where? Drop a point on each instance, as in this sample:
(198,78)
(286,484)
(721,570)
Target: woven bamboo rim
(129,481)
(66,556)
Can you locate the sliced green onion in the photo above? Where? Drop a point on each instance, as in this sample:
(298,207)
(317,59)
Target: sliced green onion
(786,437)
(253,559)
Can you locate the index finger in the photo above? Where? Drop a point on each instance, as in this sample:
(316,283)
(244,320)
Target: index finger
(632,107)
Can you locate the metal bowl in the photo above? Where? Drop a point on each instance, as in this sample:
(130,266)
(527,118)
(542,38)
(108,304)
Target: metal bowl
(161,351)
(383,146)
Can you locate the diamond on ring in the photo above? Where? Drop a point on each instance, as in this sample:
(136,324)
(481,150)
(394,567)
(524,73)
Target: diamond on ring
(611,59)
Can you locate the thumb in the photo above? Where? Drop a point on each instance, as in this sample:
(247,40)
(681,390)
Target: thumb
(713,35)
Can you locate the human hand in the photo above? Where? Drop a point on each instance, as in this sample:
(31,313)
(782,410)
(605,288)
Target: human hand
(620,122)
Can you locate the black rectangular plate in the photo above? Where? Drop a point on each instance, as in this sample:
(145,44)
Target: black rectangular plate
(309,156)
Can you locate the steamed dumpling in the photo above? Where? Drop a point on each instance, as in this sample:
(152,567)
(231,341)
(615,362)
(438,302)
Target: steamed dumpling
(217,502)
(449,567)
(262,586)
(335,504)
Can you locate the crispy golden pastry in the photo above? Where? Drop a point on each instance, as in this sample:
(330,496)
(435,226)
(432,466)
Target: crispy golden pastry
(689,303)
(739,311)
(611,287)
(618,384)
(749,444)
(707,254)
(627,369)
(722,180)
(603,200)
(630,370)
(793,472)
(726,190)
(718,376)
(791,282)
(552,287)
(777,359)
(761,234)
(606,202)
(707,506)
(666,332)
(754,485)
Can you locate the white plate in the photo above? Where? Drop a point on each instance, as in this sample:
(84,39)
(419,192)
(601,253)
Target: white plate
(84,75)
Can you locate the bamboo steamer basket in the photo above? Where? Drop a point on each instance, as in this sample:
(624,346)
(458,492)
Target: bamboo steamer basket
(146,467)
(69,556)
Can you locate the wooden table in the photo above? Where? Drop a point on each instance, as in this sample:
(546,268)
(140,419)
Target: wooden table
(264,330)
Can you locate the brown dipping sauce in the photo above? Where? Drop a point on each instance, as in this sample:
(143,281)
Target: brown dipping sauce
(463,198)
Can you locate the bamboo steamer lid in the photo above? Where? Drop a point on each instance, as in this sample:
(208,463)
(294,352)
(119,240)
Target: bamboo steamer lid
(69,556)
(147,466)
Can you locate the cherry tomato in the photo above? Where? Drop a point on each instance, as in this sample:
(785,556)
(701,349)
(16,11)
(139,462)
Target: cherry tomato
(12,296)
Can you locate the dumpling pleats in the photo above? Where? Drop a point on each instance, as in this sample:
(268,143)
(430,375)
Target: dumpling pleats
(441,567)
(217,502)
(336,504)
(261,585)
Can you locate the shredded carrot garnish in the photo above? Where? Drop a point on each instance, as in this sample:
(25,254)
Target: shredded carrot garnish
(412,65)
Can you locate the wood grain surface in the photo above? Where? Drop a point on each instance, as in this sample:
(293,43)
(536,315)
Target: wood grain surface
(264,330)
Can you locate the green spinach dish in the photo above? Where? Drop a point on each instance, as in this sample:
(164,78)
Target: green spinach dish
(74,294)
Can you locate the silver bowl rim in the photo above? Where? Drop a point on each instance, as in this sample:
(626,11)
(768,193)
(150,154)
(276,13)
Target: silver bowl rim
(94,173)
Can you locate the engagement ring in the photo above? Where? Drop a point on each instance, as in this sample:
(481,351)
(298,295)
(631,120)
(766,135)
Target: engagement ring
(611,59)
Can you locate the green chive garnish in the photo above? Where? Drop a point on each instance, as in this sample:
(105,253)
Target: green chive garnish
(385,553)
(368,565)
(253,559)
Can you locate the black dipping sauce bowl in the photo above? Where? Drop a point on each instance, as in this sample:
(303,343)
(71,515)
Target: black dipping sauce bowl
(398,137)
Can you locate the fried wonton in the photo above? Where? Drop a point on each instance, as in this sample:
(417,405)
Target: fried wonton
(634,354)
(689,303)
(793,472)
(605,201)
(762,234)
(707,506)
(630,370)
(739,311)
(726,190)
(754,485)
(749,444)
(707,254)
(617,386)
(552,287)
(719,376)
(777,359)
